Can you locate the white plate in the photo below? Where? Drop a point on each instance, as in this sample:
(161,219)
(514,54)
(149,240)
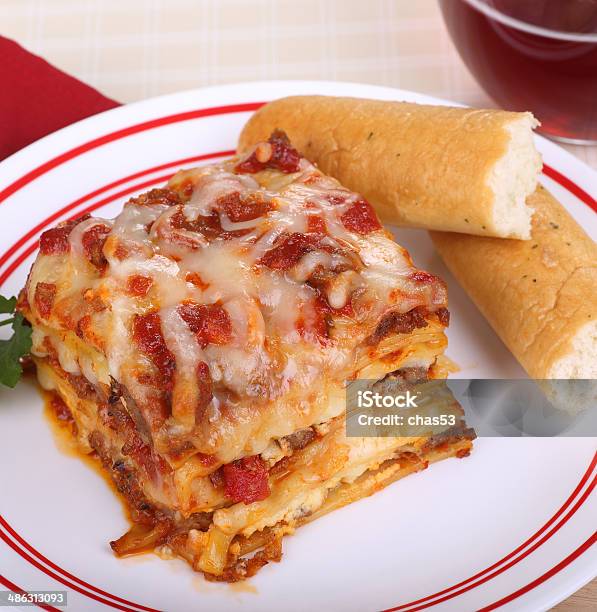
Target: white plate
(511,525)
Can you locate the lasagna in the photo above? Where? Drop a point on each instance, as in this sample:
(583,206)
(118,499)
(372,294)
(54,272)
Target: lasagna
(201,343)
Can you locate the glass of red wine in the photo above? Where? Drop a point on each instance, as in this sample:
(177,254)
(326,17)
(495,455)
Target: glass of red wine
(537,55)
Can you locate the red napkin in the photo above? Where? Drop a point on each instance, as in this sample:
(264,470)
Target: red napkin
(37,99)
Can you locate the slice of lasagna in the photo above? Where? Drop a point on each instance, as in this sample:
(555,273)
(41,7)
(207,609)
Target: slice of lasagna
(202,342)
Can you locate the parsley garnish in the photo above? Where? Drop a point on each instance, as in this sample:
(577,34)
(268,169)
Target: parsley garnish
(18,345)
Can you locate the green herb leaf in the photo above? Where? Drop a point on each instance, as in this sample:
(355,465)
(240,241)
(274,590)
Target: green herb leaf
(13,349)
(7,305)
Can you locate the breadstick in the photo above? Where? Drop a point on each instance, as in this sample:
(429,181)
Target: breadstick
(539,296)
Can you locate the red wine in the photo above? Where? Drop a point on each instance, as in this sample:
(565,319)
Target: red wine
(525,67)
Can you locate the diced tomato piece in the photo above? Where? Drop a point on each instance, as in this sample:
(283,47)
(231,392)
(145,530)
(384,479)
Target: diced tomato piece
(147,333)
(207,225)
(238,208)
(93,241)
(55,241)
(162,196)
(246,480)
(138,285)
(316,224)
(289,251)
(361,218)
(284,157)
(121,252)
(209,322)
(44,296)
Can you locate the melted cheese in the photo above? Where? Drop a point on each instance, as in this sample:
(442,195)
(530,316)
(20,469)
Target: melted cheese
(284,355)
(294,294)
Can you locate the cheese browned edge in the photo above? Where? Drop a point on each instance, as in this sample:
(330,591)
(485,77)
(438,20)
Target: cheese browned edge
(539,296)
(433,167)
